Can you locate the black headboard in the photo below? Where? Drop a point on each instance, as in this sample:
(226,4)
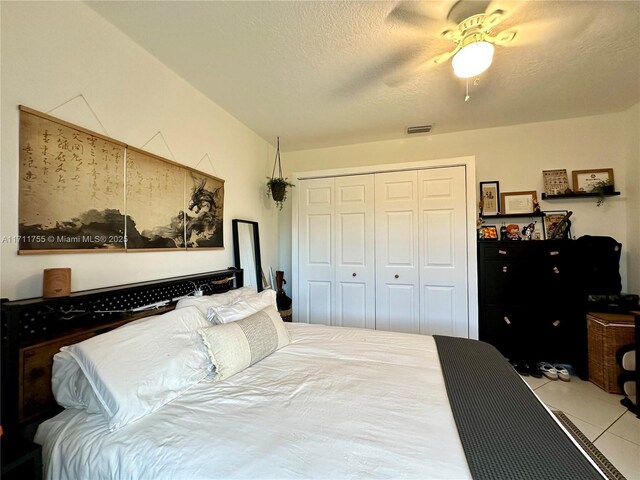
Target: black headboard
(34,329)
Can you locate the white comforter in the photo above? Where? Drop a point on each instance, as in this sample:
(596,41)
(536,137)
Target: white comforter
(336,403)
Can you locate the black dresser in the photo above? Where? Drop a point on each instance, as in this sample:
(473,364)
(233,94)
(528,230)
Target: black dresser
(532,301)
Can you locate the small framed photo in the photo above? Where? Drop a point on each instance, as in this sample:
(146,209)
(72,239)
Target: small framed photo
(556,181)
(514,203)
(585,181)
(490,197)
(489,232)
(551,220)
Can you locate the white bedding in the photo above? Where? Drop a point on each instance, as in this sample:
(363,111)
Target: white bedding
(326,406)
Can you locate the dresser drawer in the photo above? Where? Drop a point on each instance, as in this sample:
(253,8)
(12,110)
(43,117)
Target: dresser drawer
(504,250)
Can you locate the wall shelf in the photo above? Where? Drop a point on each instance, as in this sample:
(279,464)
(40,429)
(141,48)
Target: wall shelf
(577,195)
(516,215)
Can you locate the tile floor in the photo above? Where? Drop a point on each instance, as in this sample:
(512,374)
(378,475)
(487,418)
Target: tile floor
(611,427)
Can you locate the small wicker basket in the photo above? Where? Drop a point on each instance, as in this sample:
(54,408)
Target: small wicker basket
(606,333)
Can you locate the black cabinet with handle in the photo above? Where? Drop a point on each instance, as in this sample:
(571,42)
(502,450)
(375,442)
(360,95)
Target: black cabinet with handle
(531,302)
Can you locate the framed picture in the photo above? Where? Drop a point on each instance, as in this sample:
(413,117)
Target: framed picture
(584,181)
(489,232)
(490,197)
(514,203)
(551,220)
(556,182)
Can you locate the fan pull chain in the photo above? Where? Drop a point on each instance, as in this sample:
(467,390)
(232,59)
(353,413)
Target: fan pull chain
(466,98)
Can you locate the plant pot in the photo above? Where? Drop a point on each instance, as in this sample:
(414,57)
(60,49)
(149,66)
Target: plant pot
(607,189)
(278,191)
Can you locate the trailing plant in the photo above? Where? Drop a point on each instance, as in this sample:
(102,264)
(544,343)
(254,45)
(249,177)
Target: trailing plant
(277,188)
(602,188)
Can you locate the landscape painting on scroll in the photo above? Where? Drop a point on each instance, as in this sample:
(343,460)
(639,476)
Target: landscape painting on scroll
(71,188)
(155,202)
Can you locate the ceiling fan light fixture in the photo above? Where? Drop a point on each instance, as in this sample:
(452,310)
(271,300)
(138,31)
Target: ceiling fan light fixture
(472,59)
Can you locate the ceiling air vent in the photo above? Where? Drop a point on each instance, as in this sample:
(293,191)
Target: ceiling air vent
(419,129)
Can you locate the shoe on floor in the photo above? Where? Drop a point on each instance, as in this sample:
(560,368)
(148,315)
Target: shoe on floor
(532,369)
(563,373)
(548,370)
(518,367)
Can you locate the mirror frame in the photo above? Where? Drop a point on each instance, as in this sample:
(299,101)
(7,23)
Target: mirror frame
(256,242)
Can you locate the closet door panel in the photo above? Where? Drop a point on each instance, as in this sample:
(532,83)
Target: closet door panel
(319,307)
(401,305)
(355,268)
(316,253)
(397,266)
(443,251)
(353,308)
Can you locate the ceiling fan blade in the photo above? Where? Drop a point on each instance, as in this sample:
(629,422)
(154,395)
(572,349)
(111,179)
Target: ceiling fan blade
(493,19)
(509,8)
(451,34)
(414,70)
(425,16)
(443,57)
(464,9)
(503,38)
(538,32)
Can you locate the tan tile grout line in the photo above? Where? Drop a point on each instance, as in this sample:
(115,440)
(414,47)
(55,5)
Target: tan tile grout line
(611,425)
(620,436)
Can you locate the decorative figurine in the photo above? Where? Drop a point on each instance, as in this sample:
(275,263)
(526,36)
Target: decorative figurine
(527,231)
(513,232)
(503,232)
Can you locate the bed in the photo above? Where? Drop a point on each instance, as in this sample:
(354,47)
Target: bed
(330,403)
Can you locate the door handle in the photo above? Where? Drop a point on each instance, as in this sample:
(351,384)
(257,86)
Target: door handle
(353,274)
(396,276)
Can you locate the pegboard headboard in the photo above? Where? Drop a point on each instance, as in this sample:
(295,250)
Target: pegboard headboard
(34,329)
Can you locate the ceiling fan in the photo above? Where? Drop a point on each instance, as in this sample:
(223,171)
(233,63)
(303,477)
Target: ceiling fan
(475,43)
(470,24)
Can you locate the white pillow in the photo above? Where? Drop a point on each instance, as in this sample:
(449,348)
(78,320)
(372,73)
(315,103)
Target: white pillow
(242,307)
(70,387)
(238,345)
(216,300)
(261,300)
(135,369)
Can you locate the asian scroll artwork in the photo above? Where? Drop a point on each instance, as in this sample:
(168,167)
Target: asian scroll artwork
(72,194)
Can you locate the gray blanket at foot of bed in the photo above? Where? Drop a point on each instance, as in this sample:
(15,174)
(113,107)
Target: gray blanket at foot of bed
(505,431)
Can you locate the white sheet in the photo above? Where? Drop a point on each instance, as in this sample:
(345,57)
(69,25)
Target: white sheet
(335,403)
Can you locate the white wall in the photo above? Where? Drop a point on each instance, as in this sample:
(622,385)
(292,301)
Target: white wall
(632,125)
(515,156)
(54,51)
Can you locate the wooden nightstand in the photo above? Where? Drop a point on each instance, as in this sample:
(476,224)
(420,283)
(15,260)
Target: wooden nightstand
(21,460)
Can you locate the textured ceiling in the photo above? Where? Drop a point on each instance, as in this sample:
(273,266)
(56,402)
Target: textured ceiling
(330,73)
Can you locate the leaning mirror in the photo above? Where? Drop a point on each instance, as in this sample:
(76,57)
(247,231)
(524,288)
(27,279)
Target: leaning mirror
(246,247)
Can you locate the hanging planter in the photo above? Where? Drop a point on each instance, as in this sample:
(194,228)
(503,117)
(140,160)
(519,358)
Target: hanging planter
(277,186)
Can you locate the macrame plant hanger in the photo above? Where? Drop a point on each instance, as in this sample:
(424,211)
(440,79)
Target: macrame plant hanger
(277,161)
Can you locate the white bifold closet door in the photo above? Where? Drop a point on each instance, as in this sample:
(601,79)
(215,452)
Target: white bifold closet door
(397,267)
(316,284)
(355,256)
(336,251)
(385,251)
(443,251)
